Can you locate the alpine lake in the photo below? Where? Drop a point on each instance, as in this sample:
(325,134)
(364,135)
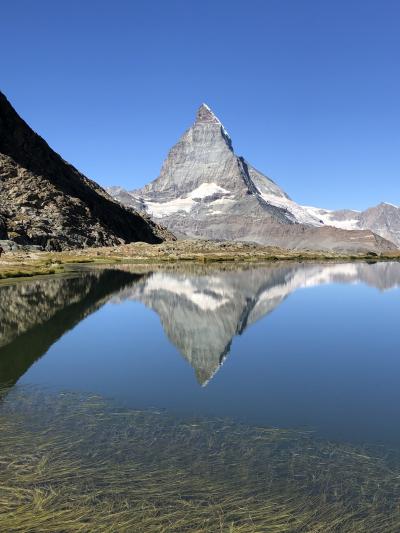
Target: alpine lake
(202,398)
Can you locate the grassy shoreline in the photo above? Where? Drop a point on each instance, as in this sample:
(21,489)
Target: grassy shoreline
(25,264)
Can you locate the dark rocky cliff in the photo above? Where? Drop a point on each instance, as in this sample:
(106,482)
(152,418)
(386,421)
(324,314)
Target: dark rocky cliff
(46,201)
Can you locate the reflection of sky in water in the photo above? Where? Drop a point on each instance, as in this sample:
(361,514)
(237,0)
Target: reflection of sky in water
(326,357)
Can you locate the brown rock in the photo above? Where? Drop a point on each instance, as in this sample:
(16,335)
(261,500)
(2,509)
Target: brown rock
(46,201)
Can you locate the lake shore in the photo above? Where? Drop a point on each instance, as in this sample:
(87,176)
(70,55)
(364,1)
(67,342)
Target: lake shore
(25,263)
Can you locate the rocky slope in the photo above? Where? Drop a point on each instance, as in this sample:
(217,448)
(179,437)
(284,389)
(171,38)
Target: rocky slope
(206,191)
(383,219)
(45,201)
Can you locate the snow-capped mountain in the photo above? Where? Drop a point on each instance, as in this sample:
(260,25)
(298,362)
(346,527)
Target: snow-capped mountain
(383,219)
(205,190)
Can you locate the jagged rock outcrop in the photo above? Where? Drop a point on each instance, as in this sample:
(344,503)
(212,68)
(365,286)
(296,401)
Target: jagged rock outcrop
(205,190)
(45,201)
(3,227)
(382,219)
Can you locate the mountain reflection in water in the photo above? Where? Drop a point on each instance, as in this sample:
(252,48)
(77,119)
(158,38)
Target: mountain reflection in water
(201,311)
(35,314)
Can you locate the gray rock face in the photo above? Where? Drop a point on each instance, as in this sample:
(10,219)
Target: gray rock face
(3,228)
(205,190)
(383,219)
(45,201)
(11,246)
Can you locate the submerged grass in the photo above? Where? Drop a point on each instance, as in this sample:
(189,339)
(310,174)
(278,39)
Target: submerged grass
(78,463)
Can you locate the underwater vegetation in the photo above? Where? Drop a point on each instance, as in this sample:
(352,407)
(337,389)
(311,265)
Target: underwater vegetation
(74,463)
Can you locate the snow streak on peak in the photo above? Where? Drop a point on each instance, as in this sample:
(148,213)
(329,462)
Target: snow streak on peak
(188,201)
(206,115)
(207,107)
(391,205)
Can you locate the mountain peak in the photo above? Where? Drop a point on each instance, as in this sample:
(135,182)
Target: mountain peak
(388,204)
(204,114)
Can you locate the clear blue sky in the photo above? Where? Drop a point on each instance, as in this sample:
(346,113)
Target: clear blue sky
(308,89)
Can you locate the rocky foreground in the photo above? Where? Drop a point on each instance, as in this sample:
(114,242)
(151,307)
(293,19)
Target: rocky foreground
(28,262)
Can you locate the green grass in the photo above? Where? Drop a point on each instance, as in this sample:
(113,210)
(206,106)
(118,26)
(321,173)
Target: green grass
(29,272)
(78,463)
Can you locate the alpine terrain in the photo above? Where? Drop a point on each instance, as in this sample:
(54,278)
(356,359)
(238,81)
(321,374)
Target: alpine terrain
(45,201)
(205,190)
(383,219)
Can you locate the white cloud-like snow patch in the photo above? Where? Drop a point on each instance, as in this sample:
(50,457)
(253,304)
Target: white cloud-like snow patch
(327,218)
(162,209)
(299,213)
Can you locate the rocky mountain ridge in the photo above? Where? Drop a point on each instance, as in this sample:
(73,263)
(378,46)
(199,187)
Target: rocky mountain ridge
(383,219)
(205,190)
(45,201)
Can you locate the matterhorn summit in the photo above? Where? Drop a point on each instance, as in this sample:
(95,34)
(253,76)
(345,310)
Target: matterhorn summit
(206,191)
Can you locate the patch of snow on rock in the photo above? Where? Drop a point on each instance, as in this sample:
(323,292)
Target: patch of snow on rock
(327,217)
(391,205)
(186,204)
(207,189)
(299,213)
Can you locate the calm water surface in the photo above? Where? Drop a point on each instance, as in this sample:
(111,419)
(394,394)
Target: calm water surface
(211,400)
(294,346)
